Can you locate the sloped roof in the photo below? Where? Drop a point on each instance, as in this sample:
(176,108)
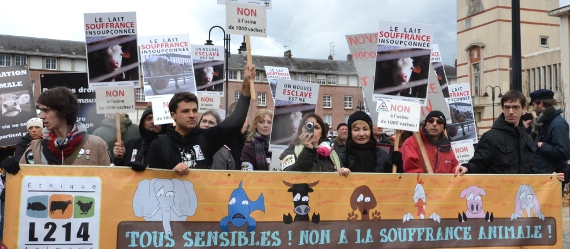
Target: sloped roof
(42,47)
(450,71)
(299,65)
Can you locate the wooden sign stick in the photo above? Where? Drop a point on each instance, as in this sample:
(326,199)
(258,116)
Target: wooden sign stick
(396,143)
(425,156)
(118,127)
(250,61)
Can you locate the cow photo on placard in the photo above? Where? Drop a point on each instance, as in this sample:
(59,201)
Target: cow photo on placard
(17,101)
(113,59)
(402,72)
(462,126)
(287,118)
(209,76)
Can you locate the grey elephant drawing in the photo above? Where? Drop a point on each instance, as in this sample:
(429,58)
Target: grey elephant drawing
(165,200)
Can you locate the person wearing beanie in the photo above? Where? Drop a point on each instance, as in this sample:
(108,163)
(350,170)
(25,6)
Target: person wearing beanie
(437,145)
(309,151)
(339,143)
(362,153)
(136,149)
(506,148)
(550,133)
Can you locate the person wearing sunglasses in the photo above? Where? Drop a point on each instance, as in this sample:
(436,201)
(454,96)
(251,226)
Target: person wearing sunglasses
(438,147)
(506,148)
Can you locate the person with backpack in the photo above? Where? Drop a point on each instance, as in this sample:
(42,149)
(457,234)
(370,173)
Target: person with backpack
(186,146)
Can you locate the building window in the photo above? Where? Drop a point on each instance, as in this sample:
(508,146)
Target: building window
(478,116)
(261,99)
(258,76)
(241,75)
(21,60)
(347,102)
(468,23)
(327,101)
(310,78)
(539,77)
(327,118)
(140,97)
(5,60)
(322,80)
(51,63)
(476,80)
(300,77)
(237,95)
(233,75)
(332,80)
(544,41)
(264,76)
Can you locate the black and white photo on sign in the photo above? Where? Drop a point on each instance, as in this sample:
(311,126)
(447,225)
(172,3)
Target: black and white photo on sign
(287,121)
(462,125)
(441,78)
(209,76)
(165,74)
(402,72)
(112,59)
(17,101)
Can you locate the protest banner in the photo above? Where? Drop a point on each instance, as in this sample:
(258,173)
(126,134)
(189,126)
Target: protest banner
(78,84)
(396,114)
(462,125)
(274,73)
(207,102)
(293,99)
(17,100)
(435,99)
(267,3)
(402,62)
(112,49)
(167,65)
(114,207)
(117,99)
(209,63)
(246,19)
(160,111)
(437,64)
(363,51)
(464,150)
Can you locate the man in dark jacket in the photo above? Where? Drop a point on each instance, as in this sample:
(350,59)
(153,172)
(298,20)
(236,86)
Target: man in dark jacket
(550,133)
(506,148)
(188,146)
(108,133)
(136,149)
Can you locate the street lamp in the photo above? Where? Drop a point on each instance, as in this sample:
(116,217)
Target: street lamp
(227,56)
(493,97)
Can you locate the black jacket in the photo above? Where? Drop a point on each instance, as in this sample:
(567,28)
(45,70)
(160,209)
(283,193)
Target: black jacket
(383,162)
(554,152)
(504,149)
(197,148)
(308,160)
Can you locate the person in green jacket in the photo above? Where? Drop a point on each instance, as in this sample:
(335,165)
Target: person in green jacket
(108,133)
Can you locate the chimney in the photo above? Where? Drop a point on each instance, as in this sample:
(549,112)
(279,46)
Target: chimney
(349,58)
(330,57)
(288,54)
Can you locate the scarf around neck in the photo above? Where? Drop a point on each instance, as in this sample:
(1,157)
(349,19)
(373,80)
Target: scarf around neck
(67,145)
(261,146)
(543,116)
(364,156)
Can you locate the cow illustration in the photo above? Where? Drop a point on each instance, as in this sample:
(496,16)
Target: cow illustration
(301,202)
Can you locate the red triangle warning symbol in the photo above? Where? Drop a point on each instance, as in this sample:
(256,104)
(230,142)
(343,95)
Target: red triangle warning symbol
(383,106)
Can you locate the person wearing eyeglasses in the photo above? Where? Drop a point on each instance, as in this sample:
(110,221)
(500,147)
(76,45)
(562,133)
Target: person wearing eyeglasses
(438,147)
(506,148)
(223,158)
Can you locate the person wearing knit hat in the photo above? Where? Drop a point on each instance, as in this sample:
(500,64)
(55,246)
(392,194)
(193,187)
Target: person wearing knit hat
(35,126)
(437,145)
(361,153)
(136,149)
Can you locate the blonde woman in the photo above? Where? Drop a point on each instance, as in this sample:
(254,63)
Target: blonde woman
(255,154)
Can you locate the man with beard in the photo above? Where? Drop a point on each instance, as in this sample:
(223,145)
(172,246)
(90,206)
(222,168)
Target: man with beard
(550,133)
(136,149)
(506,148)
(339,143)
(437,145)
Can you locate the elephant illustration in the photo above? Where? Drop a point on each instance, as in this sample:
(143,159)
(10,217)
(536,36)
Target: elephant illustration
(165,200)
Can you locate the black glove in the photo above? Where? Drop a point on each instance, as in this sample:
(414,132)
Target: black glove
(397,160)
(136,166)
(10,165)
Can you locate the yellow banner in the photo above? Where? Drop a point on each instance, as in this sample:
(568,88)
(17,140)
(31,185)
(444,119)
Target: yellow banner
(115,207)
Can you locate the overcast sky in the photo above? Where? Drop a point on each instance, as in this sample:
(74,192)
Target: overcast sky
(307,26)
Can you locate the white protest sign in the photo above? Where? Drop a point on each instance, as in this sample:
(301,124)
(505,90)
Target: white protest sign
(297,91)
(116,99)
(462,126)
(246,19)
(160,112)
(274,73)
(400,115)
(435,55)
(463,150)
(208,52)
(207,102)
(363,50)
(266,3)
(405,35)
